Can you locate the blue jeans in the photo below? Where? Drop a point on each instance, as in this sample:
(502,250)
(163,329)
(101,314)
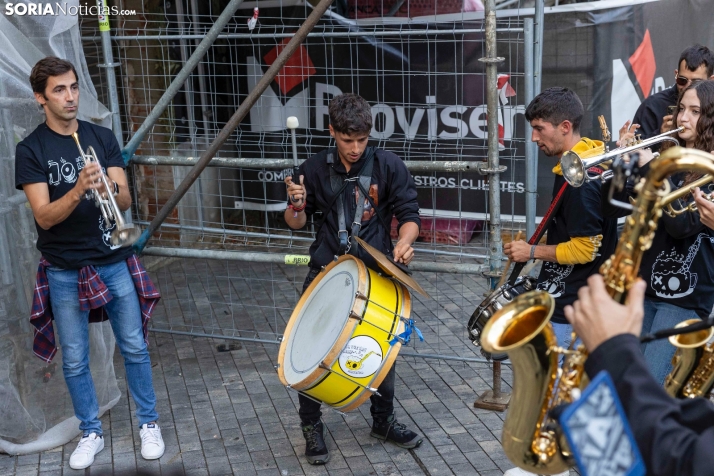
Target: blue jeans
(564,333)
(658,354)
(72,326)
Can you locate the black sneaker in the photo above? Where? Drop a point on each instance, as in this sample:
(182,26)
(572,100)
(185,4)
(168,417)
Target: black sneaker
(315,447)
(391,430)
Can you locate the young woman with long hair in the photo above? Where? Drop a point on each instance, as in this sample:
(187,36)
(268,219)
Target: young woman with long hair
(679,266)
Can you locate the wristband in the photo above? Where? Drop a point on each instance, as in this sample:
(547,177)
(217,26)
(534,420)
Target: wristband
(532,256)
(298,209)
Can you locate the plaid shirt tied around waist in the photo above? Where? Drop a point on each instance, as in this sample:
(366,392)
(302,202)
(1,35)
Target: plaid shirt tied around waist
(93,295)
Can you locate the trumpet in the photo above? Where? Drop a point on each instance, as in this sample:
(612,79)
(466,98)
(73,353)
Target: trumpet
(575,169)
(679,193)
(124,234)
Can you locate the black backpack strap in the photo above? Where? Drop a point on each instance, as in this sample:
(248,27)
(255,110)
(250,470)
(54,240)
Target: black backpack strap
(338,184)
(364,183)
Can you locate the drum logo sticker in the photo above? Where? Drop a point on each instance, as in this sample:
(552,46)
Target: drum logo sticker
(362,357)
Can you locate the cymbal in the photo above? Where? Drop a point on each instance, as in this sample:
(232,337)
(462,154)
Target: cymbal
(391,268)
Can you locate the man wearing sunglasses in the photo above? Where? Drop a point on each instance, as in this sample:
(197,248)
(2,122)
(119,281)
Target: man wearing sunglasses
(653,117)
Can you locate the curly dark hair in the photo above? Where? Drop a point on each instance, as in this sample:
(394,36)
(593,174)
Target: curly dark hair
(350,113)
(556,105)
(705,125)
(46,68)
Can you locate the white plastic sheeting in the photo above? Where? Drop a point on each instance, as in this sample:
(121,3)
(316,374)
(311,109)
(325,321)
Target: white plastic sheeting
(36,412)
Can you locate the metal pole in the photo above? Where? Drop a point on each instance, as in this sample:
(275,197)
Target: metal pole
(320,34)
(280,164)
(493,400)
(280,338)
(531,150)
(205,113)
(179,80)
(494,188)
(238,116)
(538,52)
(187,86)
(497,380)
(279,236)
(299,260)
(109,65)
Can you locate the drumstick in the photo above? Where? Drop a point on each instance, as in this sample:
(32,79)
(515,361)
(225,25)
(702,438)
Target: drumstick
(527,268)
(508,264)
(292,124)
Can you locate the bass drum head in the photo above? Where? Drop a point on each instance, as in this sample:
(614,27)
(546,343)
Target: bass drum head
(320,322)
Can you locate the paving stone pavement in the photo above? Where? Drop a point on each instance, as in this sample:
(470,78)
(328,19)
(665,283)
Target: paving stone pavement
(225,412)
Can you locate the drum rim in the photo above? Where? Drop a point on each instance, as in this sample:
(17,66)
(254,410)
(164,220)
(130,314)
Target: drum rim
(496,293)
(358,308)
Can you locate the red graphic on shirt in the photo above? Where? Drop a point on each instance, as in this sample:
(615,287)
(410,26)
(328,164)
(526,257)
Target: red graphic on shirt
(369,211)
(643,64)
(297,69)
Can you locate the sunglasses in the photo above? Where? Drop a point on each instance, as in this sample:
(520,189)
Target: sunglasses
(682,81)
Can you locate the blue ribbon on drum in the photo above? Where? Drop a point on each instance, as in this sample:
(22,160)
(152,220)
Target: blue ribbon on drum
(406,336)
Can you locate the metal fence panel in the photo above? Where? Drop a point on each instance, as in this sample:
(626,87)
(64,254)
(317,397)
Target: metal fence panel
(427,92)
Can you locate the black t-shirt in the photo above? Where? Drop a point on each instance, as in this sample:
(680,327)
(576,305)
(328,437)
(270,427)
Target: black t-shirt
(392,190)
(579,215)
(650,113)
(679,267)
(48,157)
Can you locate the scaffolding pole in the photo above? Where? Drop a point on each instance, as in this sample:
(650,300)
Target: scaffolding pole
(278,164)
(531,147)
(493,399)
(494,169)
(109,65)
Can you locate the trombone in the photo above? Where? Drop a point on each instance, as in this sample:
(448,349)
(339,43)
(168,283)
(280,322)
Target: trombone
(575,169)
(124,233)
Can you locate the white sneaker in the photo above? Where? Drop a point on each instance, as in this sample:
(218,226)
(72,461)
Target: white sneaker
(83,455)
(521,472)
(152,444)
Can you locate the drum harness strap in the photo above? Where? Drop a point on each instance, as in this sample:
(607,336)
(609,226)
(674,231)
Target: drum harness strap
(338,184)
(540,230)
(363,181)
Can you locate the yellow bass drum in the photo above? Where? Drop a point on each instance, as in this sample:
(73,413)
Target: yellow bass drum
(336,345)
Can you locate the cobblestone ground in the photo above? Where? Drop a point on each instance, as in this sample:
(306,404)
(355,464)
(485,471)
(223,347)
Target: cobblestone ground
(225,412)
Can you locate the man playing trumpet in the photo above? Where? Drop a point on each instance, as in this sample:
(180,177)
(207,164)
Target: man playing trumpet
(83,276)
(579,238)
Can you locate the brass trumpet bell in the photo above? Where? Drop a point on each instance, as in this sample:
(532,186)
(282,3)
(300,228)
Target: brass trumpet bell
(575,168)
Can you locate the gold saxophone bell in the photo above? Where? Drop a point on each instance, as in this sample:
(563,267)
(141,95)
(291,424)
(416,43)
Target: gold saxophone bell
(522,329)
(689,349)
(124,234)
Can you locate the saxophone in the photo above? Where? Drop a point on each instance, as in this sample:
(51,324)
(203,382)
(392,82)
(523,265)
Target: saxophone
(531,438)
(692,372)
